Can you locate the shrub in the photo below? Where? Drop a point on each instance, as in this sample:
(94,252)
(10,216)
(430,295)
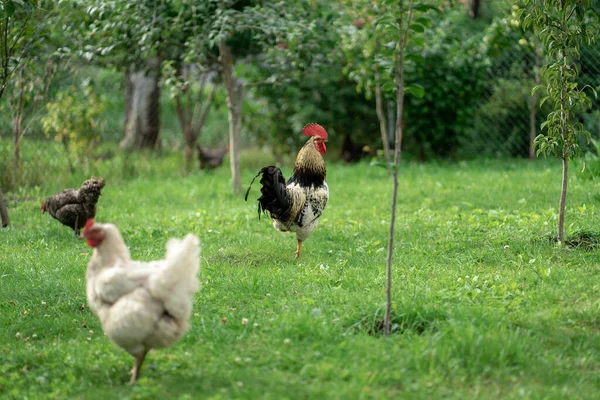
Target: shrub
(72,119)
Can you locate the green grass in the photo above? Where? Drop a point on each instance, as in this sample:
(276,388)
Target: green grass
(485,304)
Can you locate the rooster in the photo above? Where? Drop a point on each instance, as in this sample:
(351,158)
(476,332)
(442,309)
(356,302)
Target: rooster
(72,207)
(141,305)
(297,205)
(211,158)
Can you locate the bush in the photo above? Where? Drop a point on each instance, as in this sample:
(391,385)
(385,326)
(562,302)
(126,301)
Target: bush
(72,119)
(453,76)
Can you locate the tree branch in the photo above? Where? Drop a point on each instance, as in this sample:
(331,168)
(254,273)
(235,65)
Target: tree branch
(261,83)
(18,36)
(180,112)
(204,115)
(5,56)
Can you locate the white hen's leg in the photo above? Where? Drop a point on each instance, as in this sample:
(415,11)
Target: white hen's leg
(137,366)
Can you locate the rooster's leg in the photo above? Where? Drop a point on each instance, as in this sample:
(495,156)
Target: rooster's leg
(137,366)
(299,247)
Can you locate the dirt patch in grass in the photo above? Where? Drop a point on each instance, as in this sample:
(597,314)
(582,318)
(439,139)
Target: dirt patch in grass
(418,323)
(585,240)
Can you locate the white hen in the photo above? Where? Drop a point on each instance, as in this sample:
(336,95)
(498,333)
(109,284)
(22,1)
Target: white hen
(141,305)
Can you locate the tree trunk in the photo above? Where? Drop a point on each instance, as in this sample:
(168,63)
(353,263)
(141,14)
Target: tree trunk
(391,121)
(382,121)
(383,127)
(17,131)
(142,119)
(563,200)
(17,123)
(474,8)
(234,90)
(399,79)
(192,113)
(189,137)
(3,211)
(128,98)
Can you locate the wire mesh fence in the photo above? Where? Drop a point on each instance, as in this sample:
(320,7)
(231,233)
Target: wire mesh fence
(508,118)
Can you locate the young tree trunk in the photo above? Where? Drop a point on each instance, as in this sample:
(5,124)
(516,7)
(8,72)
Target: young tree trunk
(192,113)
(382,121)
(190,144)
(234,91)
(565,158)
(391,121)
(143,118)
(128,100)
(17,124)
(563,200)
(17,131)
(3,211)
(383,127)
(189,135)
(399,77)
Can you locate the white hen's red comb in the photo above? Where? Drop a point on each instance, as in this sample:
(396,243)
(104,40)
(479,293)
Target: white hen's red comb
(313,129)
(88,224)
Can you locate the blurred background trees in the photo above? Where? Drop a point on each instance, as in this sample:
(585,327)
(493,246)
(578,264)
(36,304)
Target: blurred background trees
(150,77)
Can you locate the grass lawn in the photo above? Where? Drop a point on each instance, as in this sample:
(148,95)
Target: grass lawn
(486,306)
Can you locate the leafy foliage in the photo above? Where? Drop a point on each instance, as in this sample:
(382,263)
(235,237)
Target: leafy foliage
(73,120)
(17,33)
(446,65)
(562,28)
(301,76)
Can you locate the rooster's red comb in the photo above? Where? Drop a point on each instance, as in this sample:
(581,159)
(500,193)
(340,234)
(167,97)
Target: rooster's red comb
(313,129)
(88,224)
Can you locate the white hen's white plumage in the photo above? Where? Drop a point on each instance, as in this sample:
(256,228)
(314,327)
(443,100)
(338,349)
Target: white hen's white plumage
(142,305)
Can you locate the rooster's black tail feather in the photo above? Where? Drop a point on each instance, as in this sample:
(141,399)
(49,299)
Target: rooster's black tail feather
(274,197)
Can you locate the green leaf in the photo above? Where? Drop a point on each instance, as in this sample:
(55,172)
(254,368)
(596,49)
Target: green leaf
(417,59)
(389,87)
(10,8)
(536,88)
(418,41)
(415,90)
(417,28)
(425,7)
(424,21)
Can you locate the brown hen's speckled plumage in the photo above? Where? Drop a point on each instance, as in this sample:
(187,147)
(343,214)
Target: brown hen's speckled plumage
(72,207)
(211,158)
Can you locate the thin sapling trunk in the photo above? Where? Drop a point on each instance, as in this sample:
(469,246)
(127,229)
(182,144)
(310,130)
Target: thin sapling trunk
(563,200)
(399,77)
(234,93)
(382,121)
